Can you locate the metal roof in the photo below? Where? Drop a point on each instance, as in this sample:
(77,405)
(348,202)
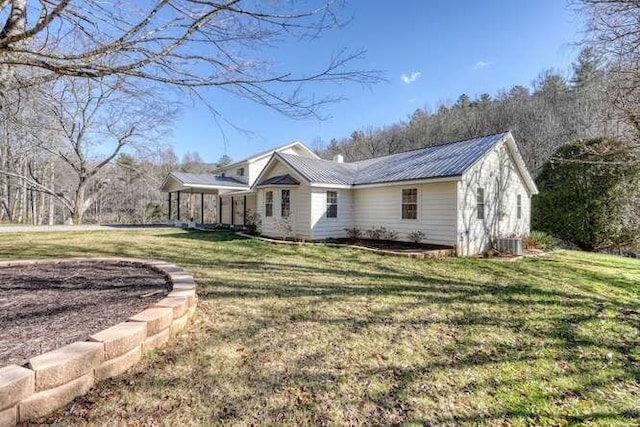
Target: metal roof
(207,179)
(324,171)
(444,160)
(280,180)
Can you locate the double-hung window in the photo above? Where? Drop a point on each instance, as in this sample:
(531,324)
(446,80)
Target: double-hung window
(480,203)
(285,203)
(332,204)
(519,206)
(410,203)
(268,203)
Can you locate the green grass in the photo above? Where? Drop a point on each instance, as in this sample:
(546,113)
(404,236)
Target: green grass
(289,334)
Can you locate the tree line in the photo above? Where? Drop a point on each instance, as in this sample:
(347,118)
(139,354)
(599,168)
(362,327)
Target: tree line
(555,110)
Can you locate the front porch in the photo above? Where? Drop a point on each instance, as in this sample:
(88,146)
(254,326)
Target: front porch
(207,200)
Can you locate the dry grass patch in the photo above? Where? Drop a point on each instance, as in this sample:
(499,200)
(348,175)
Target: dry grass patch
(315,335)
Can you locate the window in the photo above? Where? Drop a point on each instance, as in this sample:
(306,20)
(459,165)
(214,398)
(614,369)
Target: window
(285,203)
(332,204)
(240,172)
(222,174)
(410,203)
(480,203)
(268,203)
(519,206)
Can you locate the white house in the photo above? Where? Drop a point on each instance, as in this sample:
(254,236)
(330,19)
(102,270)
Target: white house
(460,194)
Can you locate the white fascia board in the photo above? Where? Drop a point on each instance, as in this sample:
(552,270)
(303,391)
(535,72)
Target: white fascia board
(409,182)
(216,187)
(522,167)
(323,185)
(238,193)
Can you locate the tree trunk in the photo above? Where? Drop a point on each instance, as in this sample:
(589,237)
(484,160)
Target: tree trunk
(78,202)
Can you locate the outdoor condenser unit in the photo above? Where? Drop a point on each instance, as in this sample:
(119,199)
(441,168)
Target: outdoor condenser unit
(510,245)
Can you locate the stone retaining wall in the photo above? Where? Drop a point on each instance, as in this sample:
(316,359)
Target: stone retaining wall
(55,378)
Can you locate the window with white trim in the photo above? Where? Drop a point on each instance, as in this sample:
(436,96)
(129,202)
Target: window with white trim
(409,203)
(332,204)
(285,203)
(480,203)
(240,172)
(519,206)
(268,203)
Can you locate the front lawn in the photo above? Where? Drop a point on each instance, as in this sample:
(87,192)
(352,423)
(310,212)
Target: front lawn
(290,334)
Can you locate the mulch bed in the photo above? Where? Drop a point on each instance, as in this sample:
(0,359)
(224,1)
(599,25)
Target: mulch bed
(46,306)
(391,245)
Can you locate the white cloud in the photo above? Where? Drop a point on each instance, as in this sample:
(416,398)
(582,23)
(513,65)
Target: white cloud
(480,64)
(411,78)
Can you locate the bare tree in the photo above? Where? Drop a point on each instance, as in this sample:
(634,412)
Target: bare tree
(184,43)
(94,121)
(613,30)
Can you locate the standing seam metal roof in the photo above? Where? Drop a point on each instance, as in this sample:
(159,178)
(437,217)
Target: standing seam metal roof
(207,179)
(444,160)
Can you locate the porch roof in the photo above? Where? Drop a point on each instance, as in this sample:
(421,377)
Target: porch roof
(201,183)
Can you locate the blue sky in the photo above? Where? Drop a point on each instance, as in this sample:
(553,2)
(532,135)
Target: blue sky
(430,52)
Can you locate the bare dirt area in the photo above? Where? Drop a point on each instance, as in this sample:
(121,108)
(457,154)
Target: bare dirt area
(46,306)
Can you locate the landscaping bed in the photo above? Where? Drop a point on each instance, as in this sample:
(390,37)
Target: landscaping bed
(390,245)
(46,306)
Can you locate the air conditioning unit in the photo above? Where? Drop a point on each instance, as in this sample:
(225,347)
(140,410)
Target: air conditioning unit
(510,245)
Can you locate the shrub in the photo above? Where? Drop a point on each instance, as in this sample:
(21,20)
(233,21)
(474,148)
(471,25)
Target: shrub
(589,193)
(284,228)
(416,236)
(254,222)
(538,240)
(374,233)
(381,233)
(353,233)
(386,234)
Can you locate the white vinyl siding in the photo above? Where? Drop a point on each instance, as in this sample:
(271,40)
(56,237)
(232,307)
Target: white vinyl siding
(233,172)
(255,168)
(323,227)
(382,207)
(299,211)
(497,175)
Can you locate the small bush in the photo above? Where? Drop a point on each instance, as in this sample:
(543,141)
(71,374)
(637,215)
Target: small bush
(353,233)
(538,240)
(284,228)
(381,233)
(386,234)
(254,223)
(374,233)
(417,236)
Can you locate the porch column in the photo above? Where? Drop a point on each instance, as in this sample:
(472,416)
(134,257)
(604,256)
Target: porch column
(244,211)
(178,208)
(169,200)
(202,208)
(232,210)
(219,209)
